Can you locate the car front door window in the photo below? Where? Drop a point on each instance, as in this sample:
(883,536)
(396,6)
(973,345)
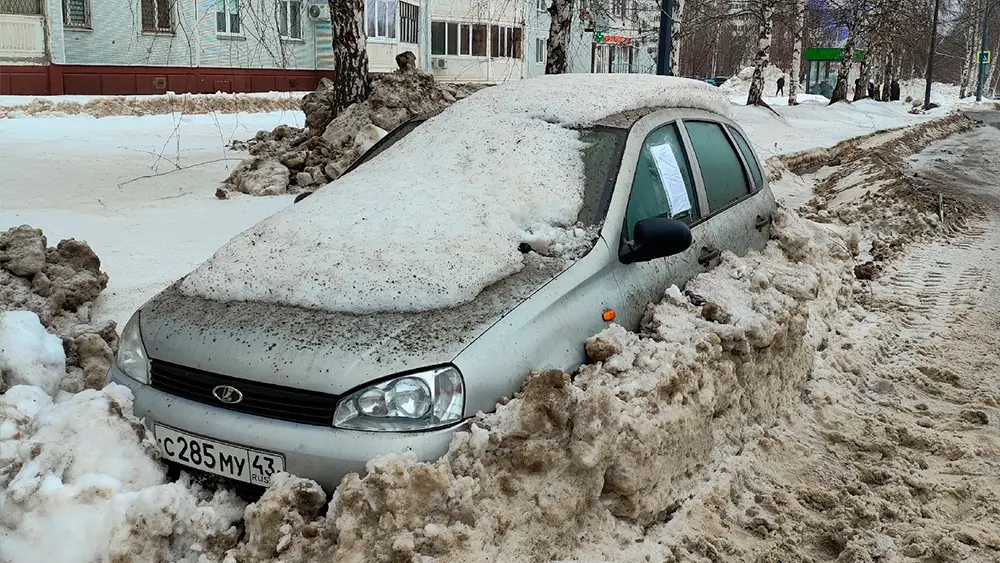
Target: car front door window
(663,185)
(724,178)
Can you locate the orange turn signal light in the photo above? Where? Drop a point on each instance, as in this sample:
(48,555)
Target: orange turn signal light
(609,315)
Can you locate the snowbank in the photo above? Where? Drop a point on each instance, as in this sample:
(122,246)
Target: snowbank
(471,200)
(104,106)
(288,160)
(80,481)
(56,286)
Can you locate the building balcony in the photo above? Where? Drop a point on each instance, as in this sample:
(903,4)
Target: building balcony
(22,38)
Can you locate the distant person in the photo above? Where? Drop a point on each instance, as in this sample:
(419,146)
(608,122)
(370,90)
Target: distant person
(871,89)
(894,91)
(781,86)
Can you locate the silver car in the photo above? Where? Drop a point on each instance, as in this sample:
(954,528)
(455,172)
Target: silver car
(242,390)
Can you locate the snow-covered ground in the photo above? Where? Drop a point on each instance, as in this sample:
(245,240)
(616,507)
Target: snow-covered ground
(806,415)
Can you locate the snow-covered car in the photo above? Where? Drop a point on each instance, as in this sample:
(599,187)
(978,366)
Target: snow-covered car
(385,310)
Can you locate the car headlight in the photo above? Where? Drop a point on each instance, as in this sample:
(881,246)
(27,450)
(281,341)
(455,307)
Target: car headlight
(418,401)
(132,359)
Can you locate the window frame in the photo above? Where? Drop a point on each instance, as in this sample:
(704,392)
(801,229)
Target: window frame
(87,22)
(287,20)
(541,6)
(541,50)
(395,22)
(730,129)
(412,29)
(748,178)
(156,30)
(697,203)
(511,36)
(226,10)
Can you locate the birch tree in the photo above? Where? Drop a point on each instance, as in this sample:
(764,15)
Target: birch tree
(762,59)
(351,84)
(675,47)
(798,27)
(560,33)
(844,73)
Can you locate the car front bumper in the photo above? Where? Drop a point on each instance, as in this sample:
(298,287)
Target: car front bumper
(322,454)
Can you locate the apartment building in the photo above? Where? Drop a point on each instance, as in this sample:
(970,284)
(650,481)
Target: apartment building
(50,47)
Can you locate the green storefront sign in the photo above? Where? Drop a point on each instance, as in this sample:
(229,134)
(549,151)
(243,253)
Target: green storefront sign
(822,66)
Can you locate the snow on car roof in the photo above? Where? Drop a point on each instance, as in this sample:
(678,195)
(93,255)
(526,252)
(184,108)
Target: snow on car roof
(438,216)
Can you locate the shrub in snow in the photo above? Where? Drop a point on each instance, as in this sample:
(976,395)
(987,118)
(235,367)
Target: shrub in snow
(58,285)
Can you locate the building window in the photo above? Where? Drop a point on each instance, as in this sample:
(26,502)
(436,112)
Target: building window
(227,16)
(380,19)
(409,26)
(620,8)
(471,39)
(156,15)
(290,19)
(540,47)
(76,13)
(541,6)
(506,42)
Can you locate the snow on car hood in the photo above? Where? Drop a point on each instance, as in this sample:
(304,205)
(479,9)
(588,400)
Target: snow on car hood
(438,216)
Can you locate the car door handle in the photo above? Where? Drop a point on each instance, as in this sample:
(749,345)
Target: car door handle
(707,255)
(762,222)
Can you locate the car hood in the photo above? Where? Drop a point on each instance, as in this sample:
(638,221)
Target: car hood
(323,351)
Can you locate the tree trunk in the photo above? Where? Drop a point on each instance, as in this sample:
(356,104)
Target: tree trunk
(843,75)
(351,84)
(887,77)
(675,47)
(970,47)
(763,58)
(861,92)
(557,60)
(798,25)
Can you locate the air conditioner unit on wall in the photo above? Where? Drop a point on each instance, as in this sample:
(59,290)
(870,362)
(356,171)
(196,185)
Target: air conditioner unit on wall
(319,12)
(439,63)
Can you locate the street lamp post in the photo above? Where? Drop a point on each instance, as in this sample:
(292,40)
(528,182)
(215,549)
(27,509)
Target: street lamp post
(983,46)
(666,38)
(930,56)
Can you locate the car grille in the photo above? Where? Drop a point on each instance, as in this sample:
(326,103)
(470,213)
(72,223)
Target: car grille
(261,399)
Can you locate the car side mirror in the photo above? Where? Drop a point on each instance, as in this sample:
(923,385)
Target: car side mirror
(657,237)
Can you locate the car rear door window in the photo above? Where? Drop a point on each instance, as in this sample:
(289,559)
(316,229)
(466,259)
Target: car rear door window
(748,156)
(663,185)
(721,169)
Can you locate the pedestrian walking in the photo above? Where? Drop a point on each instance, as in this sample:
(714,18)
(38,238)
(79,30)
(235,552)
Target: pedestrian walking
(781,86)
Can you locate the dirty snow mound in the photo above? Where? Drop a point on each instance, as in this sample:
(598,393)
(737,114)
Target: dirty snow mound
(191,104)
(80,481)
(466,202)
(295,159)
(29,355)
(58,285)
(625,441)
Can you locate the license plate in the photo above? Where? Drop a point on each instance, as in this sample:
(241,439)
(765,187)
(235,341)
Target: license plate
(235,462)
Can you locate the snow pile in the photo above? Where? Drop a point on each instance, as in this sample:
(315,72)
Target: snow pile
(30,355)
(406,242)
(739,85)
(912,90)
(80,481)
(58,285)
(622,443)
(877,190)
(104,106)
(288,160)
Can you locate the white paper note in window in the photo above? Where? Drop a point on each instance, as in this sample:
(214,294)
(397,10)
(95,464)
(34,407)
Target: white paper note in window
(670,177)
